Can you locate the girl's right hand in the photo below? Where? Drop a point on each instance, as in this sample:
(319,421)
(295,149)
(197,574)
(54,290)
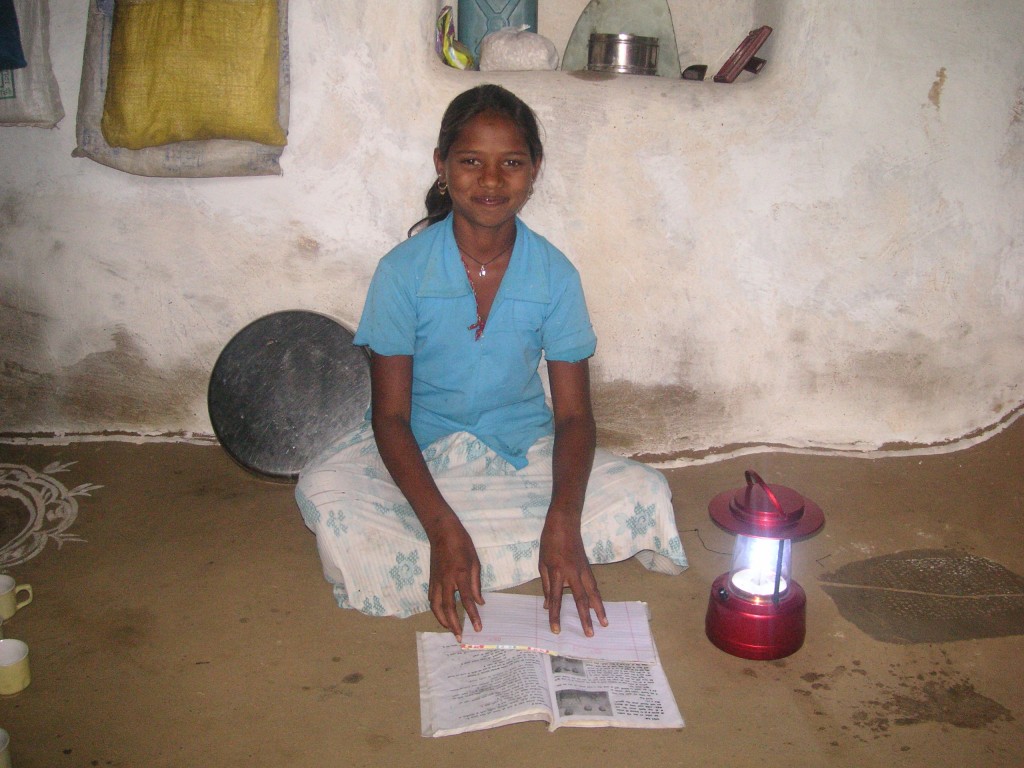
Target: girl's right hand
(454,568)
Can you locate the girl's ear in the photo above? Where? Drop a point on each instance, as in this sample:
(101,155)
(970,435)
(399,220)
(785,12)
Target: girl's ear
(438,162)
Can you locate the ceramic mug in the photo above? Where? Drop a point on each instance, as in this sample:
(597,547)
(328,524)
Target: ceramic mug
(9,590)
(14,671)
(5,749)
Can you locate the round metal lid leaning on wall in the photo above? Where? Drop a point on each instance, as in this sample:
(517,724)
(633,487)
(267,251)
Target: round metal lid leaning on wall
(284,387)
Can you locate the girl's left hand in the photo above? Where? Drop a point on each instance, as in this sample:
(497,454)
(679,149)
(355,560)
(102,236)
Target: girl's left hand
(564,563)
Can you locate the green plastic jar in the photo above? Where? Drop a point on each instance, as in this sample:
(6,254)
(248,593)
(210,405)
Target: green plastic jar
(478,18)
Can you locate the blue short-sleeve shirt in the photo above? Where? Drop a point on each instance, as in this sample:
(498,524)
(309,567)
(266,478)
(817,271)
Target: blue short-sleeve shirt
(420,303)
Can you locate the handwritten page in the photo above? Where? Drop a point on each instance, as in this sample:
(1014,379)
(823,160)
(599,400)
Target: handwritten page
(519,622)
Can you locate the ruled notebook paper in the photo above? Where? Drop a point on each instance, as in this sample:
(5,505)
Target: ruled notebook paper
(519,622)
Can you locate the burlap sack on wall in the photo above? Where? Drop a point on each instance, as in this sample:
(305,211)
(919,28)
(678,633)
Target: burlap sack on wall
(29,96)
(193,158)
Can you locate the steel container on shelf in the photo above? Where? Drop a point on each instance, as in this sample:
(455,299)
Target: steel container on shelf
(626,54)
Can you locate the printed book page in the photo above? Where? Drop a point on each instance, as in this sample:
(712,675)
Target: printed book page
(464,691)
(592,693)
(519,622)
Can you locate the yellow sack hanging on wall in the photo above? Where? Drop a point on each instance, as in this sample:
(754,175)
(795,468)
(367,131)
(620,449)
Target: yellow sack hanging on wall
(184,70)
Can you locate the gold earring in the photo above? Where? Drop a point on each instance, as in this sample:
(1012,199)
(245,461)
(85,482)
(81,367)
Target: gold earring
(442,186)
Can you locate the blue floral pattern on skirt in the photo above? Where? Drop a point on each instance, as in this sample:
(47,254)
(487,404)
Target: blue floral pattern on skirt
(376,555)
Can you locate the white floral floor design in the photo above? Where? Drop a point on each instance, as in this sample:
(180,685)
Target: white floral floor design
(37,509)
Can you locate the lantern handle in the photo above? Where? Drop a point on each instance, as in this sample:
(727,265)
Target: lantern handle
(755,479)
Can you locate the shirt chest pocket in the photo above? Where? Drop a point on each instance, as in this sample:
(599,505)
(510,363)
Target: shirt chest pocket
(526,316)
(513,338)
(523,319)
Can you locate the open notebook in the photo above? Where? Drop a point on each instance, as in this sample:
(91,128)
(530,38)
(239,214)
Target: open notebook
(520,622)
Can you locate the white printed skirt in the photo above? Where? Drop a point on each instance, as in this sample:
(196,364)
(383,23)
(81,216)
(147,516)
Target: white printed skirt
(375,553)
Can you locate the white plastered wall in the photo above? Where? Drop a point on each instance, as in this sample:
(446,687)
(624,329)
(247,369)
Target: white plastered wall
(829,254)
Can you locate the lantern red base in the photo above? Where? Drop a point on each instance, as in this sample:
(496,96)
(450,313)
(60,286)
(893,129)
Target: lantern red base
(752,630)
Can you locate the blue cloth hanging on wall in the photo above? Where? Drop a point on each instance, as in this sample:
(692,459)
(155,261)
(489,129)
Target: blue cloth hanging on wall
(11,54)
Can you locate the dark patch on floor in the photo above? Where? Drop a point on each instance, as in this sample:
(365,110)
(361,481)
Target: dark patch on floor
(957,704)
(928,596)
(942,695)
(14,518)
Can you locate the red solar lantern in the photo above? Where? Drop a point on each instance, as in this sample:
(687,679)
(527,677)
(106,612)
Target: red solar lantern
(757,610)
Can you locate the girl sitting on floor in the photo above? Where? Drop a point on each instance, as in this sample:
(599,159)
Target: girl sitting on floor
(465,480)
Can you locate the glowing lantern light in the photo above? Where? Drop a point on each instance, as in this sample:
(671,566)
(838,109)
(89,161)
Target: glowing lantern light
(757,610)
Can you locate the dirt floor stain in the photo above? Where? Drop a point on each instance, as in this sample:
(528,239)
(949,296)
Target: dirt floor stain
(957,704)
(326,692)
(130,628)
(901,698)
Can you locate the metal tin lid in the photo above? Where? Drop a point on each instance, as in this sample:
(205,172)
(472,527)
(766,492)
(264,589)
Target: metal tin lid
(284,387)
(766,511)
(624,38)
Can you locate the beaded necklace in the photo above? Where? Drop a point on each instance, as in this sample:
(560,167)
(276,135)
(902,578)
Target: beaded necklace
(478,326)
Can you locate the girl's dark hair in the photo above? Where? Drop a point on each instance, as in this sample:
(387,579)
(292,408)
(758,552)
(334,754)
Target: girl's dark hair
(463,108)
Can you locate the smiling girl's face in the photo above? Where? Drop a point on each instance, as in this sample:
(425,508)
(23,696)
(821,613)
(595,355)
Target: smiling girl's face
(489,171)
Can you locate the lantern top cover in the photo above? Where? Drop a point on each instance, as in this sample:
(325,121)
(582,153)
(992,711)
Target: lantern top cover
(766,511)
